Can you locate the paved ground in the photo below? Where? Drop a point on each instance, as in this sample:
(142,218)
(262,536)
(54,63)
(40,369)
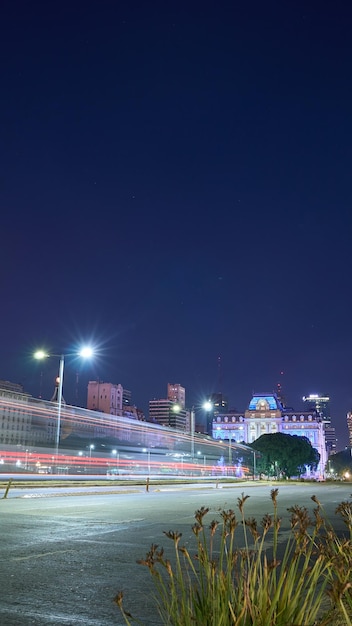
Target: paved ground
(64,556)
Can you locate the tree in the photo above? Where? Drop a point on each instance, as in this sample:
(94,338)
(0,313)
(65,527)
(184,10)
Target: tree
(341,462)
(285,455)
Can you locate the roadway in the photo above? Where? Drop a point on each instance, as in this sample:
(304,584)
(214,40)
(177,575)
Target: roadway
(65,555)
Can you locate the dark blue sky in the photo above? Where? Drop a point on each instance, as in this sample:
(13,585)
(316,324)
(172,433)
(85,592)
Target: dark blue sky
(175,186)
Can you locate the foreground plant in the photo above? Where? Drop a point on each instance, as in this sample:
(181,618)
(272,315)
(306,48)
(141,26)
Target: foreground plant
(237,577)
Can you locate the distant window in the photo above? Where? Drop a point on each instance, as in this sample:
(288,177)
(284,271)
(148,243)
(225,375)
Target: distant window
(294,418)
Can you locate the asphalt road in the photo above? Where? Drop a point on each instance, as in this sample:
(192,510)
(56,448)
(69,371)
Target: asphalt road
(64,556)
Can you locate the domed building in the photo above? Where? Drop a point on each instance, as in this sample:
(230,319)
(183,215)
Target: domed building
(266,415)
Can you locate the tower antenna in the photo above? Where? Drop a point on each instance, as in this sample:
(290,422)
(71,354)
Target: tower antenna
(219,375)
(279,391)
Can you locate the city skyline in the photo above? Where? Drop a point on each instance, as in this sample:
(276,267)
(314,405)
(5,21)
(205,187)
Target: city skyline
(175,188)
(77,397)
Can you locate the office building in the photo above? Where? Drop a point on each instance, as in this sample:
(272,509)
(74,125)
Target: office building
(321,404)
(176,394)
(167,413)
(349,426)
(105,397)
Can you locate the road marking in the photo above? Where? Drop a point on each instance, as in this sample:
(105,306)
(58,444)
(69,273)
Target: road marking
(39,556)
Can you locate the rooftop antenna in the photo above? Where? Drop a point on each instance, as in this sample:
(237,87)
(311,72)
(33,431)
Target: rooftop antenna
(279,392)
(219,375)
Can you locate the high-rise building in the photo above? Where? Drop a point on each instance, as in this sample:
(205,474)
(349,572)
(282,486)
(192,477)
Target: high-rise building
(321,404)
(168,413)
(171,411)
(105,397)
(219,402)
(176,394)
(126,397)
(349,426)
(318,403)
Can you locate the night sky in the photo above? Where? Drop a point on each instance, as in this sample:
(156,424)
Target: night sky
(175,187)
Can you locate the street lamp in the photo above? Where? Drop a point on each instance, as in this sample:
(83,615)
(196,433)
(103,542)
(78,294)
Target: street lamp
(148,453)
(193,427)
(208,408)
(85,352)
(117,456)
(204,458)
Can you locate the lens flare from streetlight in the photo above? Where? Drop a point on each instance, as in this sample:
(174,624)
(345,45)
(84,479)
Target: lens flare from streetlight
(86,352)
(40,354)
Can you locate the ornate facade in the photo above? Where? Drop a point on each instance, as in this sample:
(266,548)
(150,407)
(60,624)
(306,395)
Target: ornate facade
(266,415)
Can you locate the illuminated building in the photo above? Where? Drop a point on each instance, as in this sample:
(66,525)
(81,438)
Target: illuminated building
(168,413)
(171,411)
(105,397)
(24,420)
(349,426)
(176,394)
(265,415)
(219,402)
(321,404)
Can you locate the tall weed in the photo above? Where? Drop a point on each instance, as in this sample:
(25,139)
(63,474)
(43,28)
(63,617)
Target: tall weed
(245,573)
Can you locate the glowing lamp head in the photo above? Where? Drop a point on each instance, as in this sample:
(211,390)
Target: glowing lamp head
(86,352)
(207,406)
(40,354)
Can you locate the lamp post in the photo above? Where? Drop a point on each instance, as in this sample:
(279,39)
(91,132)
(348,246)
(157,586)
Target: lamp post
(85,352)
(204,458)
(230,448)
(192,424)
(91,447)
(208,407)
(148,457)
(117,456)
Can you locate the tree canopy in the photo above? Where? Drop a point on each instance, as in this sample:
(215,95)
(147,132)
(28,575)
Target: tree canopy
(286,455)
(341,462)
